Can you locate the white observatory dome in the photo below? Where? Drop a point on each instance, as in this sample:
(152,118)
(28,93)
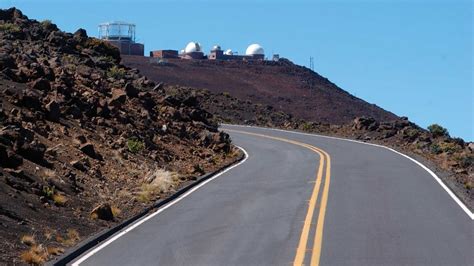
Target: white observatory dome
(254,49)
(228,52)
(192,47)
(216,48)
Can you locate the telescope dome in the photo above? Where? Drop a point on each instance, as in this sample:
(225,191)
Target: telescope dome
(255,49)
(192,47)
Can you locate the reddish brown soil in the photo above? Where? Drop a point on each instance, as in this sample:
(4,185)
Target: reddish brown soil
(287,87)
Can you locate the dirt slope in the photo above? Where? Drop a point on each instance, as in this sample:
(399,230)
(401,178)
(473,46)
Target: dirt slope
(287,87)
(84,141)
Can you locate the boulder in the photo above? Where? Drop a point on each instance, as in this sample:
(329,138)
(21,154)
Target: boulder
(365,123)
(3,155)
(118,98)
(80,34)
(103,212)
(41,84)
(54,111)
(74,111)
(31,99)
(79,165)
(88,149)
(130,90)
(12,160)
(191,101)
(6,61)
(159,87)
(33,151)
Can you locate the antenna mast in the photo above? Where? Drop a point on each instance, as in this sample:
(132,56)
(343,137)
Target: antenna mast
(311,63)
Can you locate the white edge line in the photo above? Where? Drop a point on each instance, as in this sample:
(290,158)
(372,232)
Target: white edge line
(441,183)
(141,221)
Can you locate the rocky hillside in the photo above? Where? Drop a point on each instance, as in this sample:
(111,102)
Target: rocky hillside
(287,87)
(451,157)
(84,141)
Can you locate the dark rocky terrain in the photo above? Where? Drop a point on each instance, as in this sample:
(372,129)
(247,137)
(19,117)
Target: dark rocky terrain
(287,87)
(84,141)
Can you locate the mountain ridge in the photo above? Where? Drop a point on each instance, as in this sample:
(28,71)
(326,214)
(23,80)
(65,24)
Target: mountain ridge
(288,87)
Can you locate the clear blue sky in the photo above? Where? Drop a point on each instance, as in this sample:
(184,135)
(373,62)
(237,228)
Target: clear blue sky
(411,57)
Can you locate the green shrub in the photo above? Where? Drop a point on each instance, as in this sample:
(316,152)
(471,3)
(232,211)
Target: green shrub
(116,72)
(448,147)
(135,145)
(10,28)
(48,192)
(466,161)
(435,149)
(106,59)
(46,23)
(438,131)
(307,126)
(198,169)
(412,133)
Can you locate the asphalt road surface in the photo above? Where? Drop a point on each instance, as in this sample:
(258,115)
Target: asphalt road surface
(301,199)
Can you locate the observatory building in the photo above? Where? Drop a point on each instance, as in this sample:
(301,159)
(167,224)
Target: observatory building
(121,35)
(193,50)
(253,52)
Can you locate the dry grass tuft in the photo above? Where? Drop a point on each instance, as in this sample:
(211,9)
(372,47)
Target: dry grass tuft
(48,173)
(147,193)
(71,238)
(55,251)
(94,216)
(49,234)
(235,152)
(36,255)
(28,240)
(59,200)
(73,235)
(116,211)
(156,181)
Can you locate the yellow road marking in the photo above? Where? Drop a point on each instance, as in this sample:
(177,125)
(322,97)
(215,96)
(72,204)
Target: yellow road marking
(301,249)
(318,239)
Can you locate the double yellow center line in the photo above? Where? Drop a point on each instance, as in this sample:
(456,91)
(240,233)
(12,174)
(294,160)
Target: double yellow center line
(318,238)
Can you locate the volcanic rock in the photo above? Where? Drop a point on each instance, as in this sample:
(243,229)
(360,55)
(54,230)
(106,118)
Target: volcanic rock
(54,111)
(130,90)
(41,84)
(88,149)
(119,97)
(6,61)
(367,123)
(33,151)
(103,212)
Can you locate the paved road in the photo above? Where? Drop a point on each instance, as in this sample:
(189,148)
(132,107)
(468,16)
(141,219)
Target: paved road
(382,209)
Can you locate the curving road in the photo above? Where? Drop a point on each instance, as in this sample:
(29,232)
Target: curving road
(303,199)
